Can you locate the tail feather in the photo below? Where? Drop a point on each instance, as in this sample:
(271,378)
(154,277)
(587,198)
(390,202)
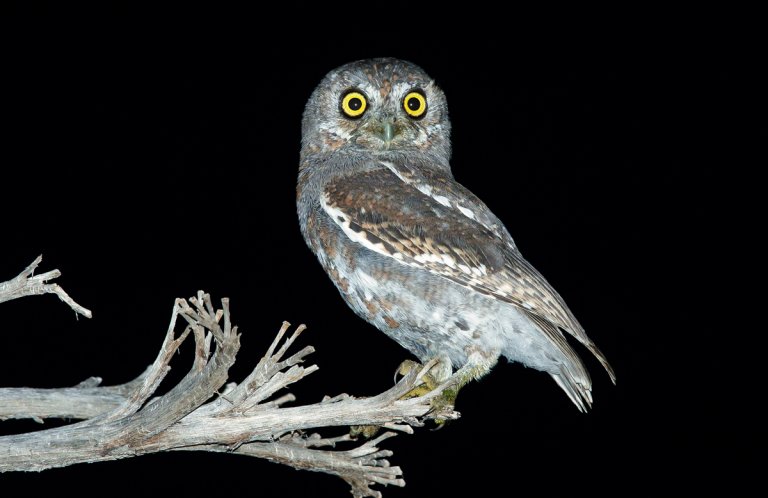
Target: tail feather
(580,395)
(602,359)
(572,376)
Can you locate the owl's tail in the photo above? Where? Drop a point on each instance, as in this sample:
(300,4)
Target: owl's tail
(566,368)
(577,387)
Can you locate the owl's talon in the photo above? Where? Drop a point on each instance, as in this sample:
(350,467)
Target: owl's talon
(439,424)
(425,370)
(426,382)
(429,377)
(405,368)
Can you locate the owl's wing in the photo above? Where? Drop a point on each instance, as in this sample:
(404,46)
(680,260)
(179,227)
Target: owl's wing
(433,231)
(434,183)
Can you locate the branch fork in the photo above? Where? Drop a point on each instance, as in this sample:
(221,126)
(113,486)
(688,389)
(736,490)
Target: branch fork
(29,284)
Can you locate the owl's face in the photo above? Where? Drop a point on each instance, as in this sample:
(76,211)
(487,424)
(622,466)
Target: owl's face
(376,106)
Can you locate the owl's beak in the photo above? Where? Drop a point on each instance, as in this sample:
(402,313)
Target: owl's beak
(387,130)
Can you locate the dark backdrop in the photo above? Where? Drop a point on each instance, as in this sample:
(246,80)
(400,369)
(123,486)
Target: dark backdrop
(149,168)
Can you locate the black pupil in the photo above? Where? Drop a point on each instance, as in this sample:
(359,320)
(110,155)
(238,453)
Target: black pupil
(414,104)
(355,103)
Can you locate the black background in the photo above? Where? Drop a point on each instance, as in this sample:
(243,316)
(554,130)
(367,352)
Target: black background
(147,167)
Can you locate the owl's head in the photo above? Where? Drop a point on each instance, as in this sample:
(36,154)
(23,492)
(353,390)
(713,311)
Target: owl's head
(377,107)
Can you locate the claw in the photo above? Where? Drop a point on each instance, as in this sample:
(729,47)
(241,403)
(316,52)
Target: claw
(429,377)
(405,368)
(426,368)
(435,373)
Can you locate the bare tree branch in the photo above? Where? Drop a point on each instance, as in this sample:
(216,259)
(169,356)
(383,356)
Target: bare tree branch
(85,400)
(360,467)
(205,413)
(28,284)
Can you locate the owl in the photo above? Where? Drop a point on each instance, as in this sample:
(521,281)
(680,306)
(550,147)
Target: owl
(413,252)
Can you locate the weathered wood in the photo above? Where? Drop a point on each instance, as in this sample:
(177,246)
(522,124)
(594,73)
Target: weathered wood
(28,284)
(204,412)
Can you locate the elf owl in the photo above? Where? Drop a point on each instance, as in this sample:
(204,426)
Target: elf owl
(412,251)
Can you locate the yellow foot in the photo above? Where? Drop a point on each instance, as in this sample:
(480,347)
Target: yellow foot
(477,365)
(431,375)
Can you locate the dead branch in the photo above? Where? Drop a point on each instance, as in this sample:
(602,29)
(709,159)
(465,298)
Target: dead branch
(202,412)
(83,401)
(28,284)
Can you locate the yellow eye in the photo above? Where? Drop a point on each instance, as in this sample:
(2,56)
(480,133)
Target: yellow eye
(354,104)
(415,104)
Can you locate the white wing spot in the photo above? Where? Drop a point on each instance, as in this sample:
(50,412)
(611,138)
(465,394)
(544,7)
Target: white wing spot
(449,260)
(428,258)
(343,222)
(480,271)
(442,200)
(421,187)
(341,219)
(366,279)
(466,212)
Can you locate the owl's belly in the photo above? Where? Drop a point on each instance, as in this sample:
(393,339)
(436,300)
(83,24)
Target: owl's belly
(432,316)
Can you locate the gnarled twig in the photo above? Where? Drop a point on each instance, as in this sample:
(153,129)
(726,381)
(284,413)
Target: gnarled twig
(28,284)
